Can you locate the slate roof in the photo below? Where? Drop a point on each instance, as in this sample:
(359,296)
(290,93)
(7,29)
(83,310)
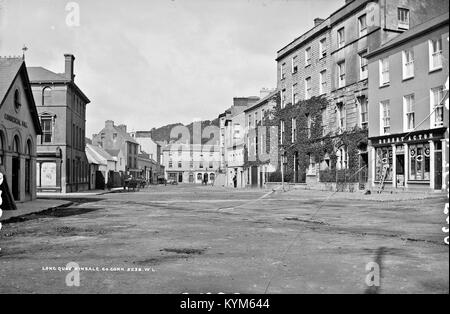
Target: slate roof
(10,69)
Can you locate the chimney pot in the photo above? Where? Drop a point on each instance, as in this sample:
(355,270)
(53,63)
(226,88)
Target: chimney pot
(109,123)
(318,21)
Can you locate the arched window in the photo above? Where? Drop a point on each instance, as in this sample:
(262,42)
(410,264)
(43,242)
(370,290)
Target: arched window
(17,102)
(29,148)
(16,144)
(212,176)
(46,96)
(199,177)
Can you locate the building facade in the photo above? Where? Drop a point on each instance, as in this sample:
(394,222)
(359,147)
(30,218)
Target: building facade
(117,142)
(185,163)
(62,165)
(102,167)
(260,157)
(19,130)
(408,108)
(330,61)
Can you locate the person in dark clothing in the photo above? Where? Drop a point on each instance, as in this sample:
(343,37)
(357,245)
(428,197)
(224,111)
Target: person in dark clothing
(235,181)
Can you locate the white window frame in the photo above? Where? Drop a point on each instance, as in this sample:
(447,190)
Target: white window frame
(293,93)
(362,28)
(282,72)
(323,48)
(384,72)
(308,87)
(294,65)
(403,24)
(341,76)
(322,82)
(341,37)
(363,123)
(408,104)
(282,130)
(435,55)
(342,117)
(408,63)
(436,103)
(293,130)
(384,119)
(363,74)
(307,56)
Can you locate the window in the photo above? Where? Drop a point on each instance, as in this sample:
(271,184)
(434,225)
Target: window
(282,73)
(199,177)
(47,129)
(408,63)
(437,107)
(180,164)
(324,122)
(294,64)
(294,94)
(191,164)
(385,109)
(323,82)
(384,159)
(362,23)
(435,54)
(384,72)
(341,74)
(341,37)
(363,67)
(403,18)
(308,56)
(211,165)
(294,130)
(408,109)
(201,165)
(46,96)
(283,98)
(419,165)
(308,125)
(341,116)
(282,132)
(363,109)
(170,163)
(17,103)
(308,88)
(323,48)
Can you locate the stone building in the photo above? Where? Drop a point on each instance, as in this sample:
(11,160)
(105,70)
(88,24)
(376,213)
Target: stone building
(19,130)
(330,61)
(232,141)
(191,163)
(62,165)
(261,157)
(117,142)
(408,109)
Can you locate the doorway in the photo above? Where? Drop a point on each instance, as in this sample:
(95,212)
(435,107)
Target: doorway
(16,178)
(438,165)
(400,170)
(180,177)
(254,176)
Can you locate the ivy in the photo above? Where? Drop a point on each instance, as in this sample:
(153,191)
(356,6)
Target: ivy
(311,140)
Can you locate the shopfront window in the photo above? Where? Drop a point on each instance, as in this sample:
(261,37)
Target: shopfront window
(419,156)
(384,158)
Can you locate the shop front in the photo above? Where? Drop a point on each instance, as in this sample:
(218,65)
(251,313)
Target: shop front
(409,161)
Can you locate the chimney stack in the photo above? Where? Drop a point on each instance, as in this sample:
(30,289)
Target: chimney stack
(109,124)
(68,73)
(122,127)
(318,21)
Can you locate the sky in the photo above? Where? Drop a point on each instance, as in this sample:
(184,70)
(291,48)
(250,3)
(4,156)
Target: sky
(148,63)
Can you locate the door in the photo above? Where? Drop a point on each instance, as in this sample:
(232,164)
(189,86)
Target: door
(254,176)
(180,177)
(16,178)
(400,170)
(438,170)
(205,178)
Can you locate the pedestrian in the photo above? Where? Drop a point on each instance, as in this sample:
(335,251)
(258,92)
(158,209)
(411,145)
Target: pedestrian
(235,181)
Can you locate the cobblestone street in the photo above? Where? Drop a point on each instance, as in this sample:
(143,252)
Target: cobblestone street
(199,239)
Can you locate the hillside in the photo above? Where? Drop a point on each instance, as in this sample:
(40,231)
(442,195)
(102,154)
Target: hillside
(163,133)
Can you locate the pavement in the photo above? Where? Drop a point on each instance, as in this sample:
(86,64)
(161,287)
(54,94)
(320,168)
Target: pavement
(203,239)
(35,206)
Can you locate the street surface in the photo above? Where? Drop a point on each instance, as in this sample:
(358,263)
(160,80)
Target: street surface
(198,239)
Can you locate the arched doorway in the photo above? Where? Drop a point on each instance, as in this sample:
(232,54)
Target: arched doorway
(15,182)
(205,178)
